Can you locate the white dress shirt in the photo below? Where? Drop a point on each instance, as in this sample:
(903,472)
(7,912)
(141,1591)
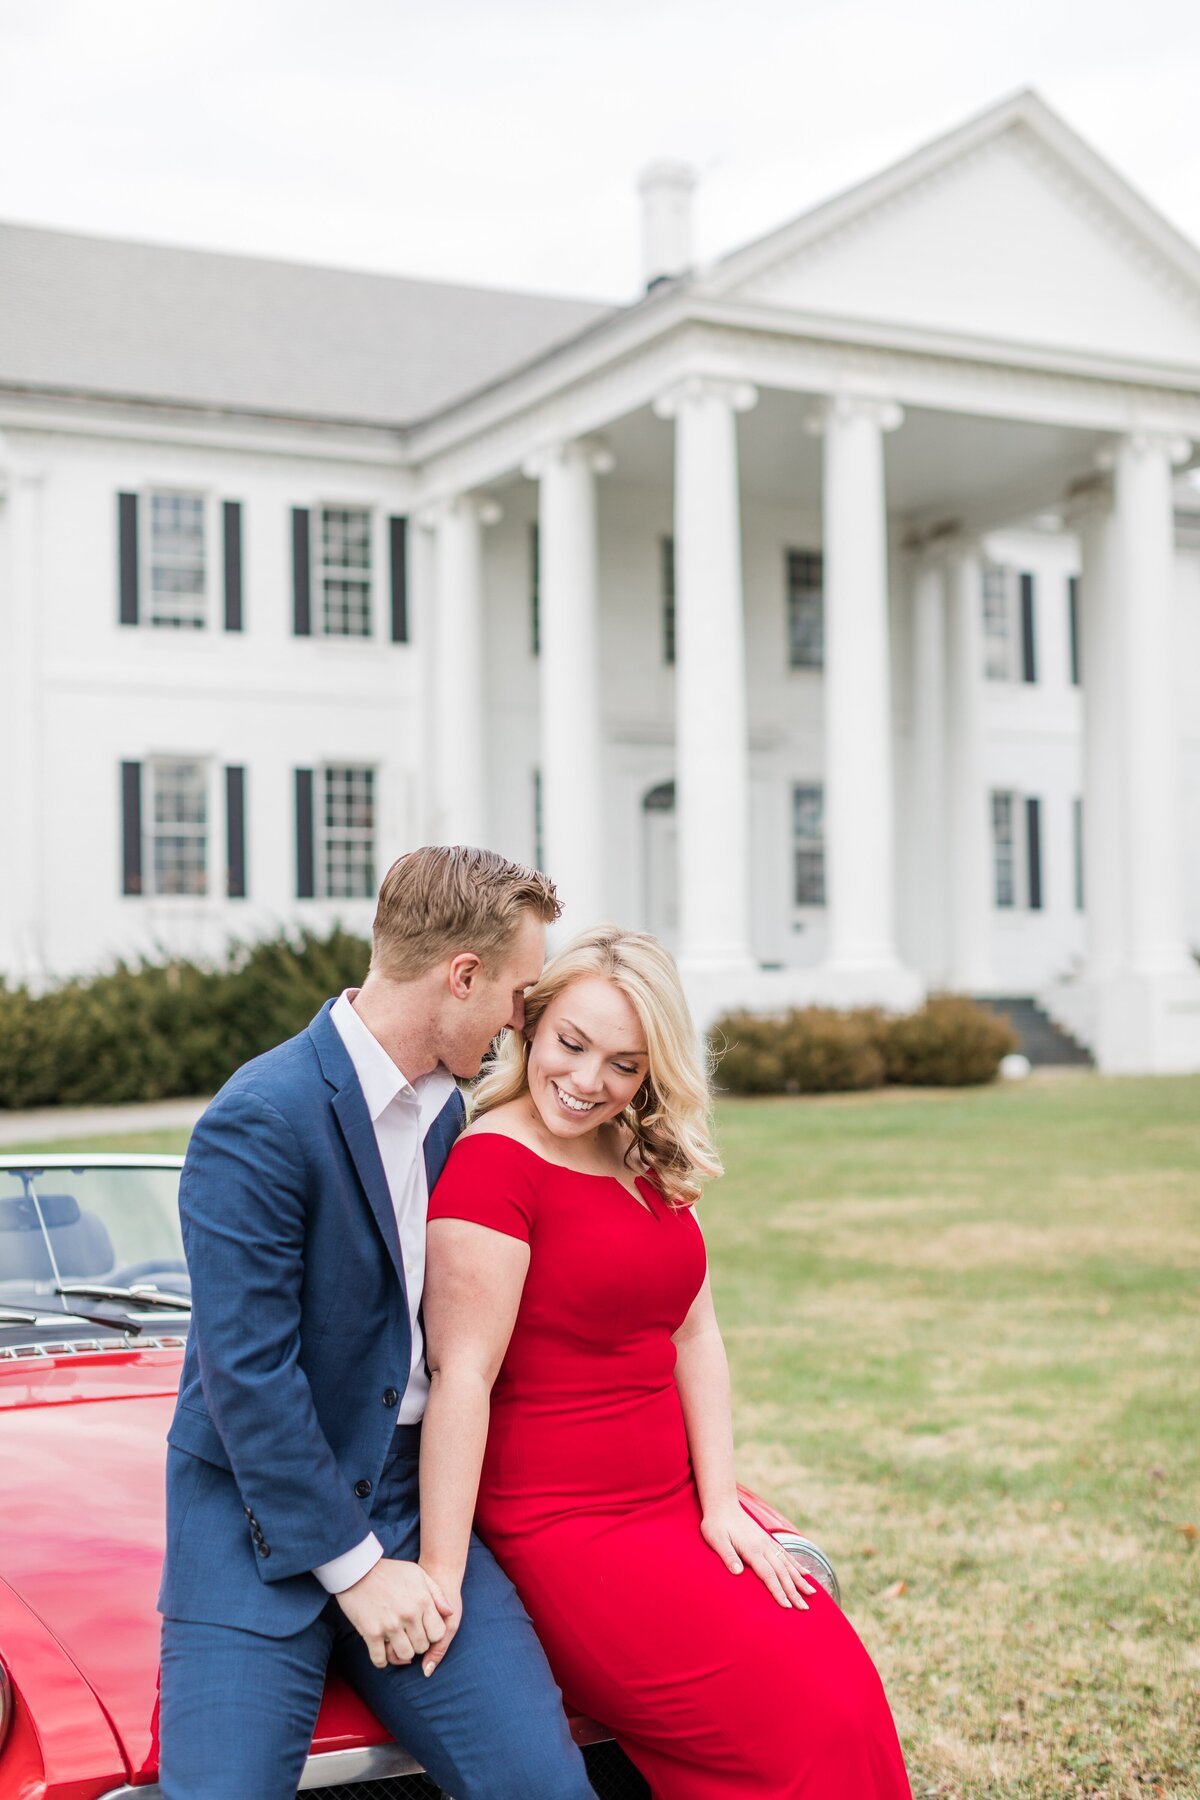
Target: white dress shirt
(401,1112)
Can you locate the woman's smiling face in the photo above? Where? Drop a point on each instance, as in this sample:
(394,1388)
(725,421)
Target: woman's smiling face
(588,1057)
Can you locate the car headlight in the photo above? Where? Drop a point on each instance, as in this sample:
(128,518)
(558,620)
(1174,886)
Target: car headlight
(6,1703)
(813,1562)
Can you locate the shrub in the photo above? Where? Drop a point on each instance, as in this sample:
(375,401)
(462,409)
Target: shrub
(749,1051)
(810,1050)
(950,1042)
(150,1030)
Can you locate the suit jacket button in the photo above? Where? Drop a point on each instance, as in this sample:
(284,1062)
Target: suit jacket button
(390,1396)
(263,1549)
(362,1488)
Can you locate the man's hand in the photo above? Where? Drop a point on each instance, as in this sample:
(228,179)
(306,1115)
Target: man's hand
(398,1611)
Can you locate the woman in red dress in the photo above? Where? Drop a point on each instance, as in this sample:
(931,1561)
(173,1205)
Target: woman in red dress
(580,1387)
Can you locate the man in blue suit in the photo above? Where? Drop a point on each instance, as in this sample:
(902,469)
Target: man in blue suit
(293,1531)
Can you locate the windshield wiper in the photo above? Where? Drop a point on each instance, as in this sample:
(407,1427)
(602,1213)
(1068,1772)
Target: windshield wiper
(140,1296)
(25,1315)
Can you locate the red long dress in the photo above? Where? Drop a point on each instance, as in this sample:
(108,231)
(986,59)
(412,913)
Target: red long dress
(588,1502)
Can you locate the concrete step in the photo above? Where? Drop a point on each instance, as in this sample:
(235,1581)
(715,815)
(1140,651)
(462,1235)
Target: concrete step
(1041,1040)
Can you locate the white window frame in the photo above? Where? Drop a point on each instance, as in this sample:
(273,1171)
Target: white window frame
(1001,658)
(796,787)
(320,571)
(146,559)
(324,835)
(153,768)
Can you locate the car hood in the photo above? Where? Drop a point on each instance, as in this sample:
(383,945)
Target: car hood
(81,1518)
(82,1530)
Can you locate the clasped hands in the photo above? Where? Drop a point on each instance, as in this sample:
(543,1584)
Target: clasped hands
(400,1611)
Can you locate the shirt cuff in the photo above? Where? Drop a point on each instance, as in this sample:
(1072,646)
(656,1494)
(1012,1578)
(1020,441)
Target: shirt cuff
(343,1571)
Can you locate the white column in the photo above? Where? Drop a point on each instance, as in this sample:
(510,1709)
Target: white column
(1104,832)
(712,774)
(459,727)
(1145,532)
(928,848)
(569,675)
(859,804)
(967,801)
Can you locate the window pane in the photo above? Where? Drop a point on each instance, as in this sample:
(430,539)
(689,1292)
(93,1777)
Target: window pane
(808,828)
(179,828)
(1004,849)
(177,583)
(346,537)
(347,608)
(347,850)
(997,624)
(806,609)
(344,546)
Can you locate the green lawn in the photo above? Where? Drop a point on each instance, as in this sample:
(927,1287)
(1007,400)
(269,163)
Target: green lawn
(964,1330)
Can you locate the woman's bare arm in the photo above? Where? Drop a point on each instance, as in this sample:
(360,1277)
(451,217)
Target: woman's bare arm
(702,1377)
(473,1282)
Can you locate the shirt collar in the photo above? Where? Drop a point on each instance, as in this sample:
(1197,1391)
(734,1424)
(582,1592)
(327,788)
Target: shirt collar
(378,1076)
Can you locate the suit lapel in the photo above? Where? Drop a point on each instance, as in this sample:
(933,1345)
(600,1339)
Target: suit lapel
(350,1110)
(439,1139)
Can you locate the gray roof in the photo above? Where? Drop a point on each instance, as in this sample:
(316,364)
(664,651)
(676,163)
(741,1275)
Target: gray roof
(102,316)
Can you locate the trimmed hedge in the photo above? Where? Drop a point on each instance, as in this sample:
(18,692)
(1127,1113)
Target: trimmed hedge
(148,1031)
(949,1042)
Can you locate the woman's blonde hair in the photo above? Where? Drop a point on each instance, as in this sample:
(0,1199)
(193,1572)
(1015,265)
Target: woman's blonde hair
(669,1115)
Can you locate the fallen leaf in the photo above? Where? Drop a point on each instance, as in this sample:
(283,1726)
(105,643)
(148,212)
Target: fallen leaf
(1190,1532)
(868,1550)
(895,1591)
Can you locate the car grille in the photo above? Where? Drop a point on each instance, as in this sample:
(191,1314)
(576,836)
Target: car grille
(610,1771)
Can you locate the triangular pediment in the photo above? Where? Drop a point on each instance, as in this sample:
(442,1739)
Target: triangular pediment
(1011,229)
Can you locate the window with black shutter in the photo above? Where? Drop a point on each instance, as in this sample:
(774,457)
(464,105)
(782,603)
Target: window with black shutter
(301,574)
(127,558)
(306,885)
(235,831)
(398,547)
(1028,641)
(131,828)
(231,517)
(1033,851)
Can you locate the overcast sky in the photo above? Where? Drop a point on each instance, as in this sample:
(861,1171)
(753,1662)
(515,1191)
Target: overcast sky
(499,141)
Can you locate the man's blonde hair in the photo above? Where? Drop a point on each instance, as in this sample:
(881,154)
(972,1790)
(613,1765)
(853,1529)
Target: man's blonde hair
(669,1115)
(441,900)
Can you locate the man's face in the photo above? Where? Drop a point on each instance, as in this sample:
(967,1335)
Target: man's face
(496,998)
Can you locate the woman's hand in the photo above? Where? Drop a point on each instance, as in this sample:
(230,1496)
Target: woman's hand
(741,1544)
(448,1584)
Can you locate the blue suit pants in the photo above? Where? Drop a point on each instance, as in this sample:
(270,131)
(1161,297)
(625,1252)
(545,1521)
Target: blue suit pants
(238,1709)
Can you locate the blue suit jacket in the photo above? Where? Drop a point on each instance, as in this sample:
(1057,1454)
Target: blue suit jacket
(300,1342)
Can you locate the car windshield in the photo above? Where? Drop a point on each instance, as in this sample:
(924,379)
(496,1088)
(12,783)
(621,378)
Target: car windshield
(62,1227)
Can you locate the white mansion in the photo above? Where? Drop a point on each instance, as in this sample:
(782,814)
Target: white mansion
(832,610)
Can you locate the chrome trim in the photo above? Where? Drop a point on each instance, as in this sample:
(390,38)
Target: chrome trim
(84,1346)
(335,1768)
(90,1159)
(339,1767)
(812,1560)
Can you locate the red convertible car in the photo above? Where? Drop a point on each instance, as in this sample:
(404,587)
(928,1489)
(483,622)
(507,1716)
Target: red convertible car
(93,1315)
